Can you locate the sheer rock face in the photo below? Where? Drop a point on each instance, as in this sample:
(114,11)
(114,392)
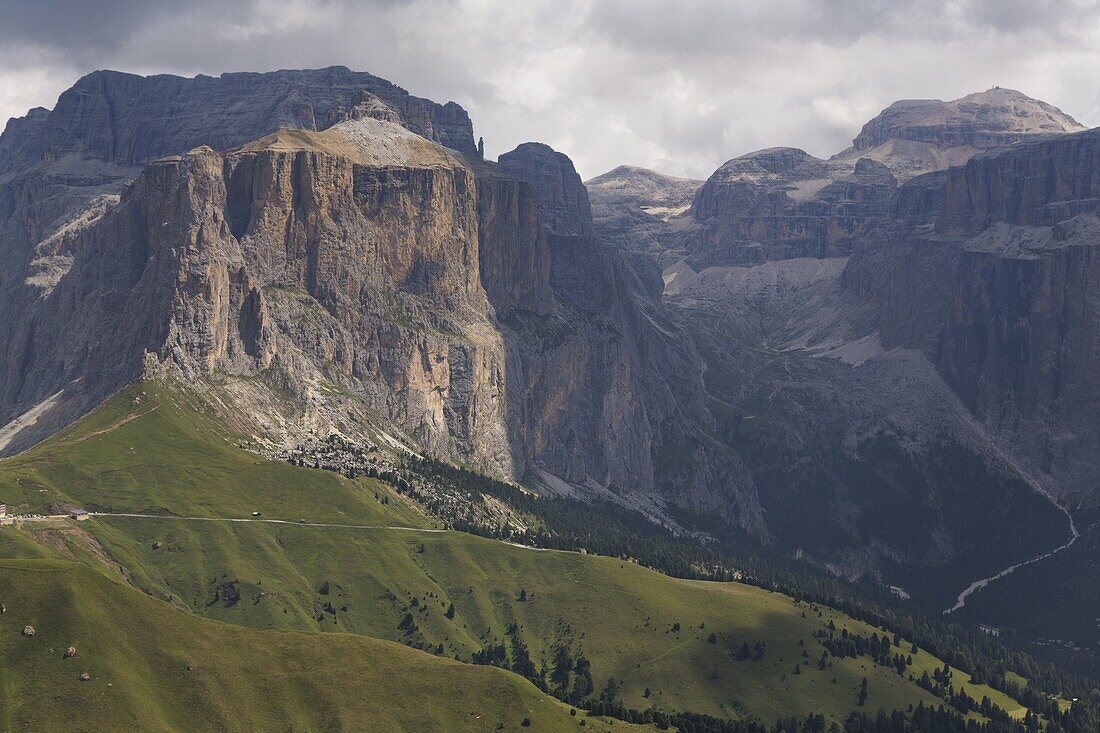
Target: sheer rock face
(60,170)
(780,203)
(514,256)
(992,270)
(466,306)
(635,389)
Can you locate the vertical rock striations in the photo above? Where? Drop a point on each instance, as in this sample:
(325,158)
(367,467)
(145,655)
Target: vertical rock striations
(620,395)
(60,170)
(358,263)
(991,269)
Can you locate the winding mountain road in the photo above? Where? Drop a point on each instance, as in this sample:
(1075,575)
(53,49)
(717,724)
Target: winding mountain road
(258,520)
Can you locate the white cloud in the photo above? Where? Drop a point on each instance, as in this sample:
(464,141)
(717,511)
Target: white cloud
(676,86)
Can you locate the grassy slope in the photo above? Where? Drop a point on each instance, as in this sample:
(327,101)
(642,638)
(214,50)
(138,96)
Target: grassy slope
(173,458)
(170,671)
(619,614)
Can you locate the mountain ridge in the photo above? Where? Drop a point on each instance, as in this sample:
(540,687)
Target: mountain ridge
(365,277)
(365,268)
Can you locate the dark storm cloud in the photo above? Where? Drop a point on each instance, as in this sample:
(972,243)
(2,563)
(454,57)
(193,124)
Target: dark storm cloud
(78,27)
(677,86)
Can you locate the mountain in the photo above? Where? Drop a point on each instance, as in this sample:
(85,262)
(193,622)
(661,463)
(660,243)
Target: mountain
(178,600)
(780,203)
(917,136)
(889,352)
(304,297)
(1012,238)
(1002,307)
(361,274)
(356,275)
(61,170)
(631,207)
(127,120)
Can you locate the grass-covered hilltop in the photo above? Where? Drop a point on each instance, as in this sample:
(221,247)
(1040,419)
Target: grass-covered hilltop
(353,603)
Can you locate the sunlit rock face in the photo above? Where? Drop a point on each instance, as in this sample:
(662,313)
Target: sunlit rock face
(327,250)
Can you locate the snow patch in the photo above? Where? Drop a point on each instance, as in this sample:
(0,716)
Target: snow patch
(664,213)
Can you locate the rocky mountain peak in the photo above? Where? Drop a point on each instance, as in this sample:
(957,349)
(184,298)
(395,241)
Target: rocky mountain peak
(637,181)
(915,136)
(563,200)
(770,162)
(631,207)
(656,194)
(127,119)
(996,113)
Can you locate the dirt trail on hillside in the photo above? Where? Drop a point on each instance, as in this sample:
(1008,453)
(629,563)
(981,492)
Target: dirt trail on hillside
(116,426)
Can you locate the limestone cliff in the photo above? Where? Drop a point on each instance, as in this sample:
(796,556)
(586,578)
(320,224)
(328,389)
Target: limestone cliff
(61,169)
(361,277)
(779,203)
(991,269)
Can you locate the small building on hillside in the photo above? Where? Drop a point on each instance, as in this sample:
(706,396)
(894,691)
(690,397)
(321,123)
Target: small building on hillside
(3,510)
(79,515)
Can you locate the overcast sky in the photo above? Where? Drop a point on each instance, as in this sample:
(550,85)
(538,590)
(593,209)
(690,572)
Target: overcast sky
(675,86)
